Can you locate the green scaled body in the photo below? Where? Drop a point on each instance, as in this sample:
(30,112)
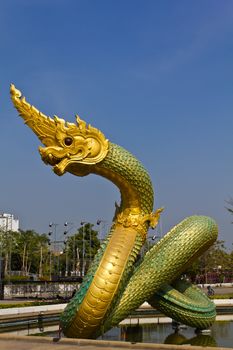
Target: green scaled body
(156,278)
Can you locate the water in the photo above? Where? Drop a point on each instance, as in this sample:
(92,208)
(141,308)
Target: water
(221,334)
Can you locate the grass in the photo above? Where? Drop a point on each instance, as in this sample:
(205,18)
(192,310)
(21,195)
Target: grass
(28,303)
(222,296)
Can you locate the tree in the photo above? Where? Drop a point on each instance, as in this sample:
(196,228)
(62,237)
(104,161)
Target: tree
(81,248)
(216,259)
(42,255)
(8,243)
(30,254)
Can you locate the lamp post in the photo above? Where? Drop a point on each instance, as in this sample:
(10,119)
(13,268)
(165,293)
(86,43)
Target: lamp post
(83,223)
(68,226)
(158,232)
(50,263)
(54,225)
(149,244)
(53,230)
(102,224)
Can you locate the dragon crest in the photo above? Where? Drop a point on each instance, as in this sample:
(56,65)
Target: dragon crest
(65,143)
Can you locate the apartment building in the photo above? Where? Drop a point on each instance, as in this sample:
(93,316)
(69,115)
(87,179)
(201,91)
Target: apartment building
(8,222)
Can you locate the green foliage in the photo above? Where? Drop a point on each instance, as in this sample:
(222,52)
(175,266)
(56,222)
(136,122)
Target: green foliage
(29,252)
(215,259)
(222,296)
(82,247)
(15,279)
(24,252)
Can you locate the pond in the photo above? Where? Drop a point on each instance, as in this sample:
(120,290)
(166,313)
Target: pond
(220,334)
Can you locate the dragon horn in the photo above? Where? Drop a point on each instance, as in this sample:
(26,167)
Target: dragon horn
(44,127)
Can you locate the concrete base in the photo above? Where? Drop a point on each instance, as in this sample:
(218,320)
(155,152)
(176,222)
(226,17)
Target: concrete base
(10,342)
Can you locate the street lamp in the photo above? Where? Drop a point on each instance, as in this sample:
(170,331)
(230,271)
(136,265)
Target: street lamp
(66,232)
(67,228)
(54,225)
(53,230)
(102,224)
(83,223)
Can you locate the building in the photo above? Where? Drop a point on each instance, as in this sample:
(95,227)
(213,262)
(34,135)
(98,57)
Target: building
(8,223)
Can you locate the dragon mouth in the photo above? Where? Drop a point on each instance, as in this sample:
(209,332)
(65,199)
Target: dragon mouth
(59,164)
(64,164)
(51,159)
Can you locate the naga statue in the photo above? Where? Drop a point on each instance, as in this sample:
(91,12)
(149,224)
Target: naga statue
(119,280)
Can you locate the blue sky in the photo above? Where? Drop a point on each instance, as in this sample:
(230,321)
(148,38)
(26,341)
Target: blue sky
(155,76)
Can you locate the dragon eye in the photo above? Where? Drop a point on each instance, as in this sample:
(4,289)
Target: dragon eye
(68,141)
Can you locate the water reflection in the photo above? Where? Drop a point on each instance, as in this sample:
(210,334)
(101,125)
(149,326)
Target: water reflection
(199,340)
(132,334)
(221,334)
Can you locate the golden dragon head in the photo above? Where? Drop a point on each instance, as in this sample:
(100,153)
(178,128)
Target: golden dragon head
(66,144)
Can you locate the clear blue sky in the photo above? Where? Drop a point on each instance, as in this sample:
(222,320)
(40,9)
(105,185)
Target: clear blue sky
(155,76)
